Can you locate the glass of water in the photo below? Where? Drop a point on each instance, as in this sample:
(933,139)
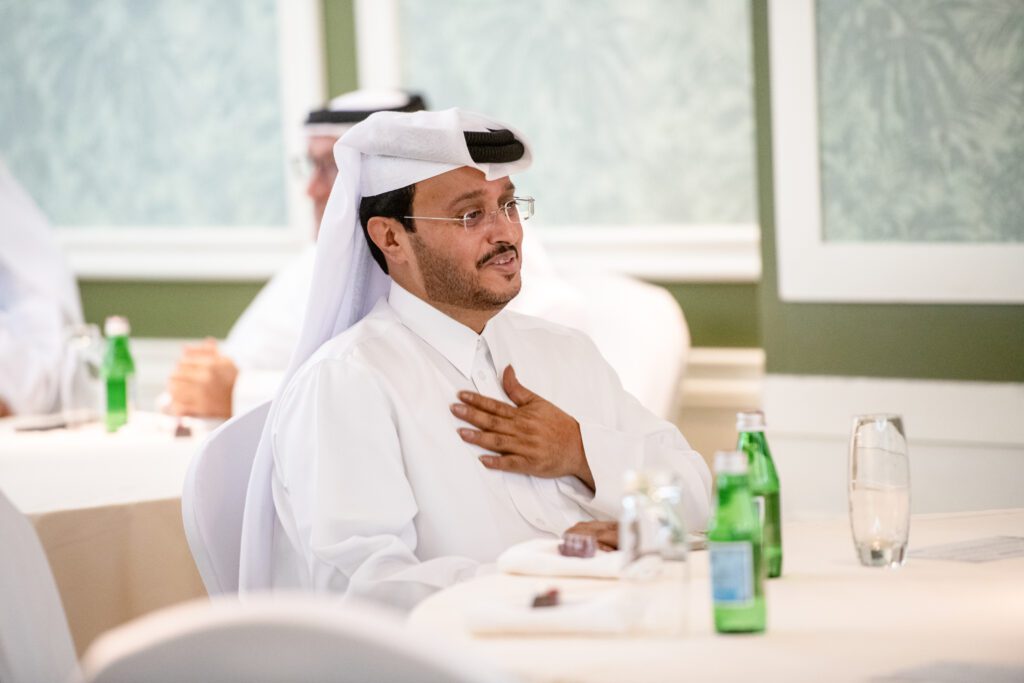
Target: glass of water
(879,489)
(81,387)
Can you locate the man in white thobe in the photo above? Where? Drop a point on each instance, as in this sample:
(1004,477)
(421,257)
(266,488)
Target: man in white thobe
(438,428)
(38,299)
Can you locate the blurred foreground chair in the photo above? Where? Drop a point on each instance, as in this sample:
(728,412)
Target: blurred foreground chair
(35,642)
(309,638)
(213,498)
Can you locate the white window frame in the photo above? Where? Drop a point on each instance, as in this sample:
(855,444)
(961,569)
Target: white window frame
(214,252)
(670,253)
(811,269)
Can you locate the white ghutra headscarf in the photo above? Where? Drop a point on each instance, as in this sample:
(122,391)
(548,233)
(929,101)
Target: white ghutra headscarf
(387,151)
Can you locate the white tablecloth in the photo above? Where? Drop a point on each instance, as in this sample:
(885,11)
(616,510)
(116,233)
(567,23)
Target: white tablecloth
(107,508)
(828,618)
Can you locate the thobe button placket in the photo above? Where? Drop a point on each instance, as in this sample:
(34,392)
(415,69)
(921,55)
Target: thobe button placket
(522,489)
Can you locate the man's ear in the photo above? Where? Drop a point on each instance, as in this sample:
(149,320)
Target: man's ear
(389,236)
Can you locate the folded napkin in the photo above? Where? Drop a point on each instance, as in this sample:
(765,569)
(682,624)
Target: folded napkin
(540,557)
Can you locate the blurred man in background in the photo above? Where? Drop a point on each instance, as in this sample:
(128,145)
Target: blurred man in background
(214,381)
(38,300)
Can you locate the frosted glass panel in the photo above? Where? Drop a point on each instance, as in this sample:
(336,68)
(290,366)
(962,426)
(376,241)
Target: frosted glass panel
(640,112)
(922,120)
(121,112)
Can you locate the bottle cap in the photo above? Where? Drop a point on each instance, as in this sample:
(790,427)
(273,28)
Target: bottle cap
(750,421)
(634,481)
(116,326)
(660,478)
(730,462)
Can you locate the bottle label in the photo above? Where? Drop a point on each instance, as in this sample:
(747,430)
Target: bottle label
(759,508)
(732,573)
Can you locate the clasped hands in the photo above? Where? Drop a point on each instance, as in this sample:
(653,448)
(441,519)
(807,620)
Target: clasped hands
(202,383)
(534,436)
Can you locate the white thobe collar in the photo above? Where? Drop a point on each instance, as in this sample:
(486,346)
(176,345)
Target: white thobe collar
(456,342)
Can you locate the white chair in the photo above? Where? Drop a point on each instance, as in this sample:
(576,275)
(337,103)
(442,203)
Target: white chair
(640,330)
(35,642)
(276,637)
(213,498)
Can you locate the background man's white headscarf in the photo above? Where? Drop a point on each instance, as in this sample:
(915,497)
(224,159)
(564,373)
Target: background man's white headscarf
(387,151)
(345,111)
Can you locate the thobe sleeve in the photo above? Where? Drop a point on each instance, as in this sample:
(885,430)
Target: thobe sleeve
(635,438)
(340,460)
(31,329)
(253,387)
(262,339)
(264,336)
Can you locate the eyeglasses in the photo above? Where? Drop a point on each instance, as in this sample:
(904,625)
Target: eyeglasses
(305,168)
(515,210)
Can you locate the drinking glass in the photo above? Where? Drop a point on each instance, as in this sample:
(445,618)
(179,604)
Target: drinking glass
(81,386)
(879,489)
(653,539)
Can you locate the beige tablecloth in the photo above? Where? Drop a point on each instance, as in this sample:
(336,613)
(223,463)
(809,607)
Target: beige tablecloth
(828,618)
(108,512)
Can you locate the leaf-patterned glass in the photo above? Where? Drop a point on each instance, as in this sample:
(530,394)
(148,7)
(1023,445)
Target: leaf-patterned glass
(639,112)
(118,112)
(922,120)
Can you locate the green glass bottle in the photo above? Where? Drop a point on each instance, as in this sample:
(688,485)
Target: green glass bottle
(734,545)
(764,485)
(118,372)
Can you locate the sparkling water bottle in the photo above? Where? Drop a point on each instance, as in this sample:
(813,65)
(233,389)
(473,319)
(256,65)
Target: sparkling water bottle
(764,485)
(118,372)
(734,545)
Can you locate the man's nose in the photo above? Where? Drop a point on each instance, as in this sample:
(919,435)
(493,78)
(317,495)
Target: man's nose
(317,187)
(501,229)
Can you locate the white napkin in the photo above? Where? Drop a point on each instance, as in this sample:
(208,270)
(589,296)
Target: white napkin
(540,557)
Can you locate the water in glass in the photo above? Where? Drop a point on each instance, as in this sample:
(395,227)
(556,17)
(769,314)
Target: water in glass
(879,489)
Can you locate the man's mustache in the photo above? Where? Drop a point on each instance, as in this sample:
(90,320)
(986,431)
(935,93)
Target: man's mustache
(497,251)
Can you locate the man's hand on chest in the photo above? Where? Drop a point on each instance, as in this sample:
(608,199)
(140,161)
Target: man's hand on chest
(533,437)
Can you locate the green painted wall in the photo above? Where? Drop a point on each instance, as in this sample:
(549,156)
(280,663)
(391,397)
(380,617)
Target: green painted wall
(720,315)
(871,340)
(340,43)
(169,309)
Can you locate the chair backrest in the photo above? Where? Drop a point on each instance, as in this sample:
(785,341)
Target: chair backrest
(213,498)
(641,331)
(35,642)
(275,637)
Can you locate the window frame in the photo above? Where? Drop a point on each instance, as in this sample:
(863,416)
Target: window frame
(217,252)
(813,269)
(680,253)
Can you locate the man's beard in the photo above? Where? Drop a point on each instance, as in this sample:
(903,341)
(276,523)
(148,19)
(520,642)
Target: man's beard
(446,282)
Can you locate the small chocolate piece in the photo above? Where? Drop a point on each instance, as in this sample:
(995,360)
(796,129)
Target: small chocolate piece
(546,599)
(182,430)
(578,545)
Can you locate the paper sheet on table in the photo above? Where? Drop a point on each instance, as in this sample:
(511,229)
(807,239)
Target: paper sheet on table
(976,550)
(955,672)
(540,557)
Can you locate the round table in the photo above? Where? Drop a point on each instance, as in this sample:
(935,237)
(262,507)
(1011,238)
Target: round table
(107,509)
(828,617)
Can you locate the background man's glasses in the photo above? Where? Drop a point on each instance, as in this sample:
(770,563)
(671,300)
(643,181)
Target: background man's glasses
(515,210)
(306,168)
